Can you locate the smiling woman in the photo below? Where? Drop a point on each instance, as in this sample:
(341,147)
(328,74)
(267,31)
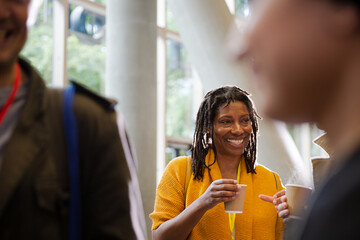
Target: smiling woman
(223,155)
(232,130)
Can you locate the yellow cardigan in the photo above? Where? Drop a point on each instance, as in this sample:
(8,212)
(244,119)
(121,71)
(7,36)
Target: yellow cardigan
(259,219)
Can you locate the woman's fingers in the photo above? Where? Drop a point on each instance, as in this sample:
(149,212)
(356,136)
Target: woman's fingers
(266,198)
(279,194)
(282,206)
(225,185)
(280,200)
(274,199)
(224,181)
(284,213)
(224,190)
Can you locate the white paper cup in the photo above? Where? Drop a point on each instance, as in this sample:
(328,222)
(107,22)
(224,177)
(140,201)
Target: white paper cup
(237,205)
(297,197)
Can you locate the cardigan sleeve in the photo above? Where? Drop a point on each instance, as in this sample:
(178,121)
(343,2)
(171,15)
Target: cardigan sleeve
(170,199)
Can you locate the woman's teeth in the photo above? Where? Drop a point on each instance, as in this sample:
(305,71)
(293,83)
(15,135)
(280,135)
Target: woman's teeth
(236,142)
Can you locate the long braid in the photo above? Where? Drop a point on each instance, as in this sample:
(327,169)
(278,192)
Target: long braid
(205,122)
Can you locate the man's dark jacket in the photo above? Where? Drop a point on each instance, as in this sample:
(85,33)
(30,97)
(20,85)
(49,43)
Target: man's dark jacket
(34,194)
(335,208)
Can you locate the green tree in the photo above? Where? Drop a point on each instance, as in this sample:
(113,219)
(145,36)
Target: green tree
(39,50)
(86,63)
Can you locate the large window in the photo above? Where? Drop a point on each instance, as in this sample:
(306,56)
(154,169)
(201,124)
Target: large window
(86,47)
(84,26)
(183,91)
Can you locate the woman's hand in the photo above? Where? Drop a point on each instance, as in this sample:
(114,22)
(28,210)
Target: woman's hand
(222,190)
(280,202)
(179,227)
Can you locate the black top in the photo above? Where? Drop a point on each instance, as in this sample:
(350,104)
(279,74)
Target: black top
(335,211)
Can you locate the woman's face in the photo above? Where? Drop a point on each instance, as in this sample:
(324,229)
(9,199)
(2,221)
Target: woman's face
(232,129)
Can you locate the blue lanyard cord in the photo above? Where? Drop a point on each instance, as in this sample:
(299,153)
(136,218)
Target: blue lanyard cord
(75,220)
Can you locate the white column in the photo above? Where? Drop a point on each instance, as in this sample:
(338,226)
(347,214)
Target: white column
(131,79)
(203,26)
(61,25)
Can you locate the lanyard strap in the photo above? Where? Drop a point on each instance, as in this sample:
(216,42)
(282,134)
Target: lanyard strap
(233,215)
(10,100)
(71,134)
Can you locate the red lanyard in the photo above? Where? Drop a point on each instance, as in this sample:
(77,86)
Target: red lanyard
(9,101)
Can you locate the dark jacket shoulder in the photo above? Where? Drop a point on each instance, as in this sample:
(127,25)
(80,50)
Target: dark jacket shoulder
(106,103)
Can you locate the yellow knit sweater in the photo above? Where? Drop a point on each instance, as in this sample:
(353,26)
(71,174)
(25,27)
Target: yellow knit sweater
(259,219)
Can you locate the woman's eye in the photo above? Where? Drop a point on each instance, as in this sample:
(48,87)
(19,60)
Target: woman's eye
(245,121)
(225,121)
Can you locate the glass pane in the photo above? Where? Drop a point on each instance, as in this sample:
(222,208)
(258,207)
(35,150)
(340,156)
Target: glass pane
(242,8)
(86,48)
(180,91)
(170,23)
(173,152)
(39,46)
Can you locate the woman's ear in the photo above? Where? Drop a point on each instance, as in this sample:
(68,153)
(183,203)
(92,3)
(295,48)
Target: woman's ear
(207,140)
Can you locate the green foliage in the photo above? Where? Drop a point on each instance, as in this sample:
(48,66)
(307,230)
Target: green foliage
(39,50)
(179,99)
(178,106)
(170,22)
(101,1)
(86,63)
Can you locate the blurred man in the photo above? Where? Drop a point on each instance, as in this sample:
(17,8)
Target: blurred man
(34,188)
(305,55)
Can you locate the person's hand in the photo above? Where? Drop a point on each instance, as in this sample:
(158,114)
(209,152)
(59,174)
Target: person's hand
(280,202)
(222,190)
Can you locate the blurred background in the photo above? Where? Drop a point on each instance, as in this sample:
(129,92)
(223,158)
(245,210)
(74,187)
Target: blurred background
(158,58)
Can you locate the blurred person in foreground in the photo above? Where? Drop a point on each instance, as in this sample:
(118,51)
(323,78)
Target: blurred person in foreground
(306,60)
(34,188)
(223,154)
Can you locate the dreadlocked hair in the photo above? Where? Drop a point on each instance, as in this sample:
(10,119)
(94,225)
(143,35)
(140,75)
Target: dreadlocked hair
(204,128)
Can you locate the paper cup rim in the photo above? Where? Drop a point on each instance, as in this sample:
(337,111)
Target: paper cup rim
(297,185)
(232,211)
(242,185)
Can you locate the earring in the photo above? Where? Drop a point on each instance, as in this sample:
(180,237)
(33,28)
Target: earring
(206,141)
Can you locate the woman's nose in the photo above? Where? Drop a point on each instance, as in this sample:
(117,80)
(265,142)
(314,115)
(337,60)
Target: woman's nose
(237,129)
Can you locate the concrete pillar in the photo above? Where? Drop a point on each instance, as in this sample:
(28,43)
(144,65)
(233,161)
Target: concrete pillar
(131,79)
(203,26)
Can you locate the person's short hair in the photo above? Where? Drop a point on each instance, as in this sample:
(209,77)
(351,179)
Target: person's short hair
(204,128)
(355,3)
